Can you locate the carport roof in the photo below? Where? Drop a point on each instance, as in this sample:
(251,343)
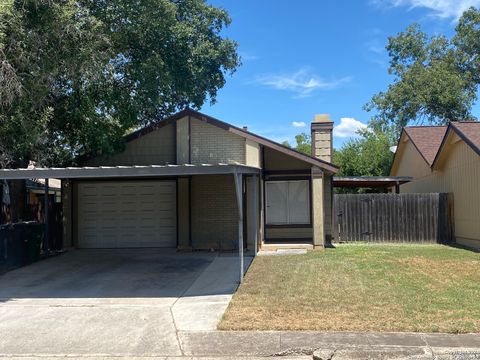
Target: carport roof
(370,181)
(126,171)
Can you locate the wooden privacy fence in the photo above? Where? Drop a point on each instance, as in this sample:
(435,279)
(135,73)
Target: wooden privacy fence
(420,218)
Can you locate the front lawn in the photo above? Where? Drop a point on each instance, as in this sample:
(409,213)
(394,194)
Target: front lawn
(421,288)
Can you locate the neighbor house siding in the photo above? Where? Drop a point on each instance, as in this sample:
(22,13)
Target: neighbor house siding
(214,212)
(410,162)
(459,175)
(154,148)
(212,145)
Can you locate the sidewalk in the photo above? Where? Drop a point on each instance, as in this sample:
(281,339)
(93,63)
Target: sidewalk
(287,345)
(261,343)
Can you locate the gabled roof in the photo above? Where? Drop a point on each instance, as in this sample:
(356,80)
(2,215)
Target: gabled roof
(430,140)
(426,139)
(468,131)
(235,130)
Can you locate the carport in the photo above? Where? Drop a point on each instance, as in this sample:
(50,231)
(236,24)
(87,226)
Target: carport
(152,173)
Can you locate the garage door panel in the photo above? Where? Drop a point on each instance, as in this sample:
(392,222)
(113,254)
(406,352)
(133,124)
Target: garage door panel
(133,214)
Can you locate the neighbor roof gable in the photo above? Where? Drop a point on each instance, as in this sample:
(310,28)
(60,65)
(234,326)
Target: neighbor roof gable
(235,130)
(468,131)
(427,140)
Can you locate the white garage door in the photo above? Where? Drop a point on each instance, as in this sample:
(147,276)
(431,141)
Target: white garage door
(126,214)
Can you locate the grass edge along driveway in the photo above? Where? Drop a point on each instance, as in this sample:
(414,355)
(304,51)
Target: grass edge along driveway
(414,288)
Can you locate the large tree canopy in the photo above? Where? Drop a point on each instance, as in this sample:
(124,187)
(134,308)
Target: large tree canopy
(435,78)
(75,75)
(367,155)
(303,143)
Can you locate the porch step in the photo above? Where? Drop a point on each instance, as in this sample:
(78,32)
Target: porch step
(286,246)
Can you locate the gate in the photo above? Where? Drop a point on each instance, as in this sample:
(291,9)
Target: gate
(415,218)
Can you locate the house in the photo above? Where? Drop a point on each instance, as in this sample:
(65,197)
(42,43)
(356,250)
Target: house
(194,182)
(445,159)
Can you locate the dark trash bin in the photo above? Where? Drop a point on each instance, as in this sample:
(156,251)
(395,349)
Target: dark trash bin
(29,234)
(4,233)
(21,243)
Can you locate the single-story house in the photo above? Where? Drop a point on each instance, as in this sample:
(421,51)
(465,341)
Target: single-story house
(445,159)
(194,182)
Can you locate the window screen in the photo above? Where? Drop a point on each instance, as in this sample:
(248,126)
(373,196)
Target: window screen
(287,202)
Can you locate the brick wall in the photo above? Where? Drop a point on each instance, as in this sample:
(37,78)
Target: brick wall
(213,145)
(214,212)
(322,145)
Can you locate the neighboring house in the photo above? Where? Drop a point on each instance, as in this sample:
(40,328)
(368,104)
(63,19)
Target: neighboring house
(190,181)
(445,159)
(36,190)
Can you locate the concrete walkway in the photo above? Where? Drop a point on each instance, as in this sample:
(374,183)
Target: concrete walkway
(201,307)
(295,345)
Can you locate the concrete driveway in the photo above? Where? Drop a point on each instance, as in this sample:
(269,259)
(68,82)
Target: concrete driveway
(106,302)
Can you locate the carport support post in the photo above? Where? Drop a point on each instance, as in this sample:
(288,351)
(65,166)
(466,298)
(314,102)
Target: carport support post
(46,239)
(239,192)
(255,214)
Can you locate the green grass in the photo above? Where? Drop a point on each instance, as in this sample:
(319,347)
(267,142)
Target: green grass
(419,288)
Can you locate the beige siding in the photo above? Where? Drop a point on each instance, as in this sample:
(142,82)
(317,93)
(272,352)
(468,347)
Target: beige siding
(214,212)
(211,144)
(252,224)
(289,233)
(183,206)
(459,175)
(252,153)
(409,162)
(276,161)
(154,148)
(183,156)
(318,207)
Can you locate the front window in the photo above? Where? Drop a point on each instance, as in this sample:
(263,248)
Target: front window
(288,202)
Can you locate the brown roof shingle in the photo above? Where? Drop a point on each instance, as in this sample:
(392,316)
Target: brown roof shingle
(470,132)
(427,140)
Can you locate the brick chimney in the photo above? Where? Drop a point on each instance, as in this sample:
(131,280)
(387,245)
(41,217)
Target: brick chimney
(322,142)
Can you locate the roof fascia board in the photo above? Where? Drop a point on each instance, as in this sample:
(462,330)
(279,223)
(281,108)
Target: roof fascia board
(235,130)
(452,127)
(124,171)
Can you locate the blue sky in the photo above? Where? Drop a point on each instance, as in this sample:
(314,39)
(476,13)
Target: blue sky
(307,57)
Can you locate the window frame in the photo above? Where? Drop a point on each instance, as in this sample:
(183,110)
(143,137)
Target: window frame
(309,202)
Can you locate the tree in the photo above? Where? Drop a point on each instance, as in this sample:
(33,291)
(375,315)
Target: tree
(369,155)
(435,78)
(76,75)
(303,143)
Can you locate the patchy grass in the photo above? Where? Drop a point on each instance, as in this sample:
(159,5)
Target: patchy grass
(419,288)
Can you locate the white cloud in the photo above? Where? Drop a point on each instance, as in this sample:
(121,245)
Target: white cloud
(348,127)
(299,124)
(246,56)
(440,8)
(303,82)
